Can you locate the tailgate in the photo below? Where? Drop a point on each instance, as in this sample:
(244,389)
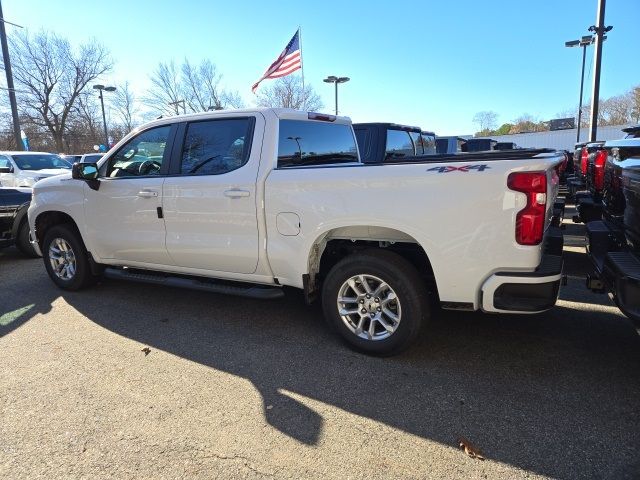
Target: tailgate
(553,186)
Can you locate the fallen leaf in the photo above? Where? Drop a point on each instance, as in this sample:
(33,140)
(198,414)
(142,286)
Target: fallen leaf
(146,351)
(469,449)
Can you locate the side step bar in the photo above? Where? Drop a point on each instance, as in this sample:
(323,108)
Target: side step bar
(240,289)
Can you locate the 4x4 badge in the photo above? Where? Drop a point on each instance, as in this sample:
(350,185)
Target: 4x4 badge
(466,168)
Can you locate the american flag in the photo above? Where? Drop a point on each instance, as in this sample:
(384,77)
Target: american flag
(287,62)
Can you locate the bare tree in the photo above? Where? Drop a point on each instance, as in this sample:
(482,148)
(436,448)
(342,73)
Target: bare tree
(486,120)
(165,89)
(126,108)
(617,110)
(287,92)
(50,76)
(201,86)
(198,86)
(232,99)
(635,109)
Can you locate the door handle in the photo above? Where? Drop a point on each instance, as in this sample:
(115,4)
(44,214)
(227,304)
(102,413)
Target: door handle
(237,193)
(147,193)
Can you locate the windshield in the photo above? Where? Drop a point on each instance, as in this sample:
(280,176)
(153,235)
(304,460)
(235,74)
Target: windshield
(91,158)
(40,162)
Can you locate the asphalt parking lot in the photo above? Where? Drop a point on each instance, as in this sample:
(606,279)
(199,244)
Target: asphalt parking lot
(239,388)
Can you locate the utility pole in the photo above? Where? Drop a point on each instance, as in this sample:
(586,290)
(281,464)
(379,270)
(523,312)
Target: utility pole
(599,31)
(176,104)
(10,87)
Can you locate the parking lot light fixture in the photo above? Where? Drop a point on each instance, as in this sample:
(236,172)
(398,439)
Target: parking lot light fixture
(584,42)
(336,80)
(102,88)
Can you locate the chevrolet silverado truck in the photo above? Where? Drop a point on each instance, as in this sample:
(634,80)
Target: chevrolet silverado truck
(613,243)
(589,201)
(245,202)
(392,142)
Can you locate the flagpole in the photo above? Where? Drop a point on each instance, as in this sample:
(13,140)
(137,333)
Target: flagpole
(301,58)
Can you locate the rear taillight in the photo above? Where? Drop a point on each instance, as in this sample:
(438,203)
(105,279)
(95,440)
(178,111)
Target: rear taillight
(584,160)
(598,174)
(530,220)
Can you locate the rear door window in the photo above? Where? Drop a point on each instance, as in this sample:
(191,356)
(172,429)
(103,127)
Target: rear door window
(315,143)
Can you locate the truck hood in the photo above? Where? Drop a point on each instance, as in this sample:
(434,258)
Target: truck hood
(55,179)
(45,172)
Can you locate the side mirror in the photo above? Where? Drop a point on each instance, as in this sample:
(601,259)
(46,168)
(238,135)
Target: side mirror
(87,172)
(8,169)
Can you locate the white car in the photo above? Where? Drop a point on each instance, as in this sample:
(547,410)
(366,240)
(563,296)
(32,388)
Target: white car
(243,202)
(91,157)
(24,169)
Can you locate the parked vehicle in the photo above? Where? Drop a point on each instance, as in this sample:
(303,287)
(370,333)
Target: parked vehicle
(244,202)
(575,181)
(480,144)
(589,201)
(450,144)
(506,146)
(14,227)
(90,157)
(71,158)
(385,142)
(614,242)
(24,169)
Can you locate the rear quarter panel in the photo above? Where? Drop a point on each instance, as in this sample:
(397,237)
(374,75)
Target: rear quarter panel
(464,220)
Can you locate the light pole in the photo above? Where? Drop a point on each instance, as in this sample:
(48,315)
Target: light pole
(104,118)
(584,42)
(297,140)
(599,31)
(336,80)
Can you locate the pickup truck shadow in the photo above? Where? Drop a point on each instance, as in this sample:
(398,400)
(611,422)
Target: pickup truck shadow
(19,302)
(555,394)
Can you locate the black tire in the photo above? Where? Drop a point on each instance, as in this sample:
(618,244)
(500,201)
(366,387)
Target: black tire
(402,278)
(22,240)
(634,318)
(82,276)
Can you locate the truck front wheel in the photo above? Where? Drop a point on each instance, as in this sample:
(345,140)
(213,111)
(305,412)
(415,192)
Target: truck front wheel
(65,258)
(376,300)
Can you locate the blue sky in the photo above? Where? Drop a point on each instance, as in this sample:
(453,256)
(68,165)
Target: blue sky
(431,63)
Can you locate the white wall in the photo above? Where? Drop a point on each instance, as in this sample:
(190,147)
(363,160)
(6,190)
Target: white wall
(560,139)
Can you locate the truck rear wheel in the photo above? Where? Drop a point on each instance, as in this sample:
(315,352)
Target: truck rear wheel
(65,258)
(22,240)
(376,300)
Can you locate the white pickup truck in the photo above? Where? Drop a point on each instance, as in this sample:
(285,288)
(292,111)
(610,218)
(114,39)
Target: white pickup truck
(246,201)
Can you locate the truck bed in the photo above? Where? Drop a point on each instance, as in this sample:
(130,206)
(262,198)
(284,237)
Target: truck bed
(492,155)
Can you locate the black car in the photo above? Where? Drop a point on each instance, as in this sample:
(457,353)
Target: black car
(14,228)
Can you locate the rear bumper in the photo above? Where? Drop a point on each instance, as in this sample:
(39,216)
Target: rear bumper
(589,208)
(527,292)
(617,269)
(575,183)
(621,275)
